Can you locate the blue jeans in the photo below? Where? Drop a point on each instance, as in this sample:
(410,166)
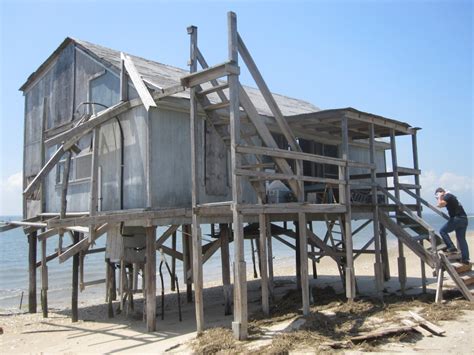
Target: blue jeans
(458,224)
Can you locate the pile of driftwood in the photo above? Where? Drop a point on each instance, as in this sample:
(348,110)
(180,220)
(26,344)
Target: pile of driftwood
(413,323)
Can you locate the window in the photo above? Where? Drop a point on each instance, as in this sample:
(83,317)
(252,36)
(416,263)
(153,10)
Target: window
(80,169)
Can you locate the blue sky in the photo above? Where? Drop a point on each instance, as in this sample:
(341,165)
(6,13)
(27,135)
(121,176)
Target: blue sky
(407,60)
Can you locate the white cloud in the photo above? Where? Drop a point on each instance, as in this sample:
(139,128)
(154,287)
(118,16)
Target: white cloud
(461,186)
(11,194)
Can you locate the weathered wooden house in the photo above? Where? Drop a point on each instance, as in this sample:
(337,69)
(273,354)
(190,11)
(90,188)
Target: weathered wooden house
(117,144)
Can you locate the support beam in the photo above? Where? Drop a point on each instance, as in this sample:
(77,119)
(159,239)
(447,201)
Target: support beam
(346,199)
(150,279)
(239,325)
(196,230)
(378,260)
(263,264)
(402,278)
(32,246)
(75,282)
(303,244)
(227,287)
(44,280)
(173,262)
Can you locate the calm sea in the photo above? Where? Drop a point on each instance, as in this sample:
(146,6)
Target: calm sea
(14,264)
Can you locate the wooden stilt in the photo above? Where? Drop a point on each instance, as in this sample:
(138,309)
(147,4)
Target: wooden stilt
(346,199)
(150,281)
(44,280)
(187,262)
(384,246)
(227,288)
(439,286)
(263,266)
(270,261)
(303,251)
(173,263)
(313,262)
(75,281)
(298,255)
(32,245)
(122,286)
(402,276)
(375,217)
(239,325)
(110,273)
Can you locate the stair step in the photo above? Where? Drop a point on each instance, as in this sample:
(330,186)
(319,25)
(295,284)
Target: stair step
(218,106)
(421,237)
(460,268)
(467,277)
(439,247)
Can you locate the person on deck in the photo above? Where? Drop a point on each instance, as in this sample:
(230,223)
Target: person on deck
(457,222)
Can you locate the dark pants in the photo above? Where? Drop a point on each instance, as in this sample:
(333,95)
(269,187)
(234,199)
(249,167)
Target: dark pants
(458,224)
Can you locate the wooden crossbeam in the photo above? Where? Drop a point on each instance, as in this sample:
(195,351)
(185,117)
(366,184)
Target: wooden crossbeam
(168,233)
(208,74)
(83,244)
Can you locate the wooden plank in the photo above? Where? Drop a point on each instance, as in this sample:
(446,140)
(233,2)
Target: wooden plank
(94,181)
(171,252)
(265,135)
(47,234)
(439,286)
(408,171)
(83,244)
(214,88)
(268,176)
(460,267)
(123,82)
(382,333)
(281,153)
(166,234)
(93,282)
(55,158)
(417,327)
(208,74)
(291,208)
(137,81)
(226,286)
(427,324)
(267,95)
(150,279)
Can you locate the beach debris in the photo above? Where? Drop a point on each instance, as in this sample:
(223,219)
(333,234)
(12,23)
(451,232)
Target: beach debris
(417,327)
(381,333)
(433,328)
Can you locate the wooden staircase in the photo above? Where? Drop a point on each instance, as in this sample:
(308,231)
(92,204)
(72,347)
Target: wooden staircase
(411,230)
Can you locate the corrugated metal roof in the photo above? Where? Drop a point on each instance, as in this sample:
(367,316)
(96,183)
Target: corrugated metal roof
(163,76)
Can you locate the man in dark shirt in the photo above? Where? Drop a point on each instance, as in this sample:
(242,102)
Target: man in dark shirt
(457,222)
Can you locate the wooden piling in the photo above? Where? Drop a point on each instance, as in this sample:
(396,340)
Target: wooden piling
(227,288)
(32,246)
(263,265)
(298,254)
(44,280)
(303,251)
(173,263)
(75,281)
(150,279)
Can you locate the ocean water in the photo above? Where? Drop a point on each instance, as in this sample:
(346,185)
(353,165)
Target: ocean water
(14,263)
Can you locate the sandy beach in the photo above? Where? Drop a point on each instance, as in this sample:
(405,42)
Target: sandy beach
(95,333)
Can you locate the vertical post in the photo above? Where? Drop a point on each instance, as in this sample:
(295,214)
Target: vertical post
(150,279)
(375,218)
(298,228)
(186,233)
(65,184)
(94,200)
(227,288)
(350,277)
(270,259)
(418,203)
(385,261)
(196,231)
(44,280)
(75,280)
(32,245)
(401,255)
(313,262)
(239,325)
(173,262)
(304,261)
(263,265)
